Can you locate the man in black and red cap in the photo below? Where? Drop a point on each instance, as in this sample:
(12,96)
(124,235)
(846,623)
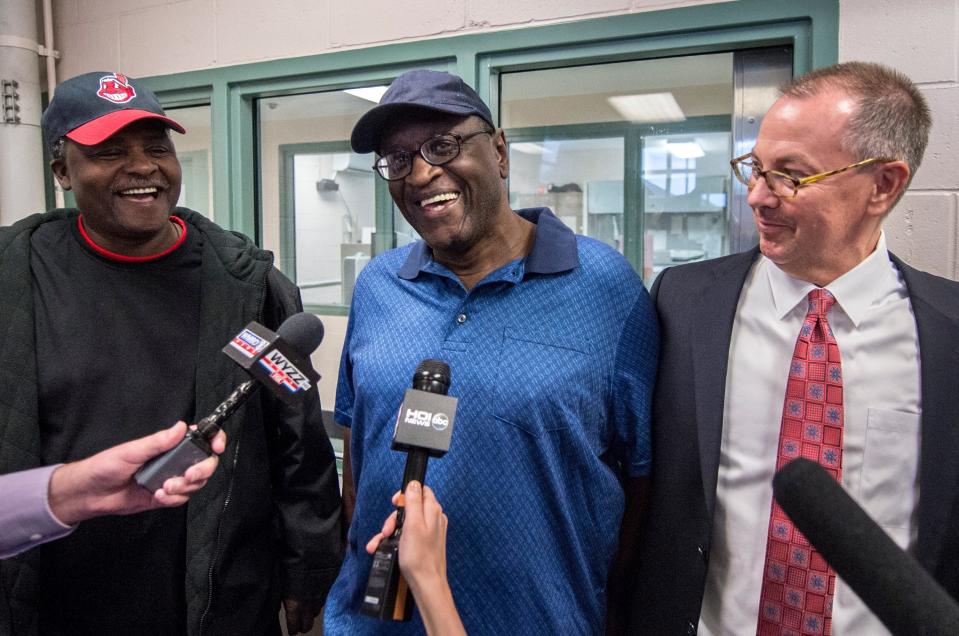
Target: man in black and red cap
(112,316)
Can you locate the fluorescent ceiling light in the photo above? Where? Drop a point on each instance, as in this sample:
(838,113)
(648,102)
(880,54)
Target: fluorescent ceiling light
(649,108)
(369,93)
(685,150)
(528,148)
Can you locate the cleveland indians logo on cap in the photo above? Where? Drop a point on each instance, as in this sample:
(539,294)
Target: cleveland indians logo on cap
(115,88)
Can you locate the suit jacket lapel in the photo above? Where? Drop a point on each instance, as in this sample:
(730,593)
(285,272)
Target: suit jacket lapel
(939,357)
(711,331)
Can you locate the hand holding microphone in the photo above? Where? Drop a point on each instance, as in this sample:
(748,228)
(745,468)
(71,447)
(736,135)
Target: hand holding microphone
(424,426)
(279,361)
(422,557)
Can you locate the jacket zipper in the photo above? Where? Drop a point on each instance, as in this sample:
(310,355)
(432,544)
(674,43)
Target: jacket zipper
(229,490)
(219,534)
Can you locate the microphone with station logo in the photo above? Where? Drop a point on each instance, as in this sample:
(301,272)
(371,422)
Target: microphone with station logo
(280,361)
(424,427)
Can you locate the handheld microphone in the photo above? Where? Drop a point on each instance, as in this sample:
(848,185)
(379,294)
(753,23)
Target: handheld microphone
(280,361)
(424,427)
(899,591)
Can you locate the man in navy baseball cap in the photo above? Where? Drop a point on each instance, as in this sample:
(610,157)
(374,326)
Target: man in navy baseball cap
(552,344)
(91,107)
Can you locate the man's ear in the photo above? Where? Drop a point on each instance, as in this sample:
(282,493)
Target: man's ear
(890,180)
(502,152)
(59,169)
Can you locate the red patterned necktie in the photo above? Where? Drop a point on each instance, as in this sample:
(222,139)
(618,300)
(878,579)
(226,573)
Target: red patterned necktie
(798,585)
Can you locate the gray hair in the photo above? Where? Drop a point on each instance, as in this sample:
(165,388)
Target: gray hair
(892,119)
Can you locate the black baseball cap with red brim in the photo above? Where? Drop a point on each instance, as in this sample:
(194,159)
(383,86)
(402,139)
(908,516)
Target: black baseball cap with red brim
(92,107)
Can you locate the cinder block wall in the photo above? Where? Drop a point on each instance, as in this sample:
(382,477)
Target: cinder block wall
(920,39)
(156,37)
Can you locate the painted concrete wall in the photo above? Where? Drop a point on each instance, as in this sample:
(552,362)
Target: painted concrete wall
(151,37)
(155,37)
(920,39)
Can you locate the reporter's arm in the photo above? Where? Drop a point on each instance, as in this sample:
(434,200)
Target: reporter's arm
(25,518)
(46,503)
(422,553)
(103,484)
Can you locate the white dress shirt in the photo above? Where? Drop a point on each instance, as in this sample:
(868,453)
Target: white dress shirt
(874,326)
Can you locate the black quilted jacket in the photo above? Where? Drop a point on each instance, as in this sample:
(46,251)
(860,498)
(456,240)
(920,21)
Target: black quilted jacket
(267,525)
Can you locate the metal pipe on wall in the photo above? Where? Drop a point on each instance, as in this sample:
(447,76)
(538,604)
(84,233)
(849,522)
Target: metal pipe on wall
(51,56)
(21,145)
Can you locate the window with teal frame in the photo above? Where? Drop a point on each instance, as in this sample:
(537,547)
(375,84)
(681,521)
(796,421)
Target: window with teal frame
(807,32)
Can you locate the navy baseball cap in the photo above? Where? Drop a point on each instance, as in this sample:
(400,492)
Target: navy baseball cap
(419,89)
(91,107)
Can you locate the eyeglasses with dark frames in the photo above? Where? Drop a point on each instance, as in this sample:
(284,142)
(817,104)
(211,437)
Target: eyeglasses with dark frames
(782,184)
(436,150)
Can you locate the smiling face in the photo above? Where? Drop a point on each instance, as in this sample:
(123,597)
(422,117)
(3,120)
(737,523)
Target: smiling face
(829,226)
(126,186)
(455,207)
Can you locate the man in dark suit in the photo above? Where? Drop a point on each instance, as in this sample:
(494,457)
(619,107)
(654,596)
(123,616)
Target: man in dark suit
(819,343)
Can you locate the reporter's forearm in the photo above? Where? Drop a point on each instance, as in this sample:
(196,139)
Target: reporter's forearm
(437,608)
(69,498)
(25,517)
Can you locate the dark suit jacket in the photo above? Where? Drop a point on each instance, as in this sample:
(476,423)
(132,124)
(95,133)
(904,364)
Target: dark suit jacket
(696,304)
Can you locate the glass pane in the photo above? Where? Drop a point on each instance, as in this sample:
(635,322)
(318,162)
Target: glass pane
(634,154)
(685,196)
(405,234)
(317,198)
(194,150)
(580,180)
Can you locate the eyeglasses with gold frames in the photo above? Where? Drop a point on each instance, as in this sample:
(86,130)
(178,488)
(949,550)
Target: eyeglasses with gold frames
(782,184)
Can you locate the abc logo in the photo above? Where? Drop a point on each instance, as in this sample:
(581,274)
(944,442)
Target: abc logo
(440,421)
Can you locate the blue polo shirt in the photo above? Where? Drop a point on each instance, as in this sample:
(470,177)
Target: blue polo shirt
(553,359)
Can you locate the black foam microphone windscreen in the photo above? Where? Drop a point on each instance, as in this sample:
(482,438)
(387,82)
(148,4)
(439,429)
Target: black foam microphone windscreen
(303,332)
(899,591)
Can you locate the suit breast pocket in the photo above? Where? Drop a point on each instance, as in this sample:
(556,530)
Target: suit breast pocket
(890,467)
(545,386)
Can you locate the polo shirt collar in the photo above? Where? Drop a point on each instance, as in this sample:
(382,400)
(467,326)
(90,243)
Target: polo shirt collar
(554,248)
(855,291)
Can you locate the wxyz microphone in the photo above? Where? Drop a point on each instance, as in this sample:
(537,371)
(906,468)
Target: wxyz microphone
(424,427)
(279,361)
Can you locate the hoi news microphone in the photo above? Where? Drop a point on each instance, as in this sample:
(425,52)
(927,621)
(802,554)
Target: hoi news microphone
(424,427)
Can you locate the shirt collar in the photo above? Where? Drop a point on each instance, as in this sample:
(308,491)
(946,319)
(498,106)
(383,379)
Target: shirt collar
(855,291)
(554,248)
